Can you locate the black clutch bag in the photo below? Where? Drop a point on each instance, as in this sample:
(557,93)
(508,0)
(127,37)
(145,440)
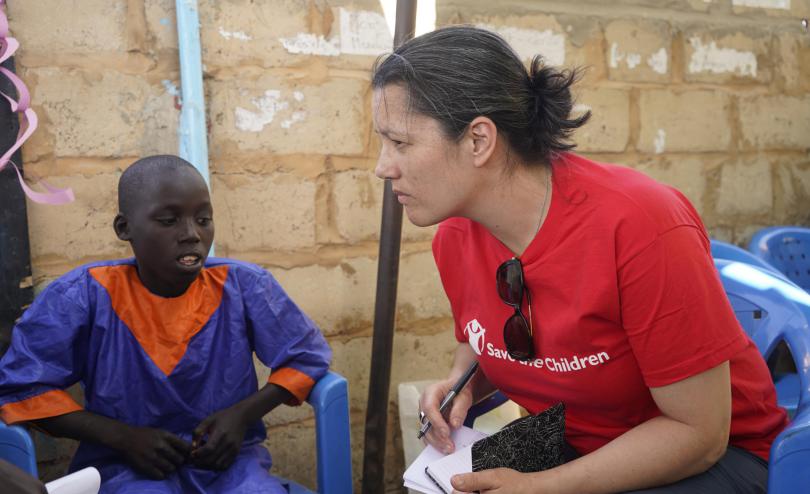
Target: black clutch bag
(529,444)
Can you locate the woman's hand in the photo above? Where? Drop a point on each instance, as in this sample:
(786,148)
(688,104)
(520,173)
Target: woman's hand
(225,431)
(439,434)
(500,481)
(154,453)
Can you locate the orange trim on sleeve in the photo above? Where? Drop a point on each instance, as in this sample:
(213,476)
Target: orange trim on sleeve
(48,404)
(294,381)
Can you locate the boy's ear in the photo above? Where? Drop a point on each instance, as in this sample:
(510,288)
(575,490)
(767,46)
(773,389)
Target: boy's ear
(121,227)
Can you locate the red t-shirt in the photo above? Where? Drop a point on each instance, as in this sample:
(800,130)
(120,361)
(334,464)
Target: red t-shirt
(625,297)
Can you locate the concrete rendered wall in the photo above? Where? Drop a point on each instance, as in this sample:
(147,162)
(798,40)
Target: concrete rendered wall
(711,96)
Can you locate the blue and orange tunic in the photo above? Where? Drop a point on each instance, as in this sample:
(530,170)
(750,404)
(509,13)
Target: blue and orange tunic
(160,362)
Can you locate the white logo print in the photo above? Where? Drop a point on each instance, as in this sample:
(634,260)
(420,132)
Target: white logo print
(475,335)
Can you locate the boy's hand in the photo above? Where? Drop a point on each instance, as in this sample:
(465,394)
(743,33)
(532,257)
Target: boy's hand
(226,431)
(154,452)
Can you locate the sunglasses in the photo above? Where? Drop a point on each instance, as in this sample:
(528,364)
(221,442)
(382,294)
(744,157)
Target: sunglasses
(517,331)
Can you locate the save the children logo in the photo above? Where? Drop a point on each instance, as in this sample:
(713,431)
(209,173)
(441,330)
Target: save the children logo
(475,335)
(569,363)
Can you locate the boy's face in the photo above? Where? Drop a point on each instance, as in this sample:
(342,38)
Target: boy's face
(170,229)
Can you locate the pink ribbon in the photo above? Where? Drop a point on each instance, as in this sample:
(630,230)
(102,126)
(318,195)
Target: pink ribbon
(28,124)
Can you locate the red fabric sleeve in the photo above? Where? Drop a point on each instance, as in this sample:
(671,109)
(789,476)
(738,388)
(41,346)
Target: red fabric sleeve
(677,317)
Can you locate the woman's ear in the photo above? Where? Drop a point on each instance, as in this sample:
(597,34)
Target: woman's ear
(484,136)
(121,227)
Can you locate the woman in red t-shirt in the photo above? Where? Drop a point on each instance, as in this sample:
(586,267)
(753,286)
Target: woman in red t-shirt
(569,280)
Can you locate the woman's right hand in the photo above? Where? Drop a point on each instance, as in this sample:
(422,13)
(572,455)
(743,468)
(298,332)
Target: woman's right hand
(439,434)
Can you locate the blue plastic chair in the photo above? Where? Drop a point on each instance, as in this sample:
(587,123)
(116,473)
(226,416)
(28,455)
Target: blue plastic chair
(787,248)
(773,310)
(725,250)
(330,401)
(17,448)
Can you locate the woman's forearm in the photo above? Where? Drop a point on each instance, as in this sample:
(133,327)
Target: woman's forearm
(657,452)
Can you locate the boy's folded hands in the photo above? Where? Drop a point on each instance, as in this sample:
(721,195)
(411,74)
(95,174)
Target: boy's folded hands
(154,452)
(218,438)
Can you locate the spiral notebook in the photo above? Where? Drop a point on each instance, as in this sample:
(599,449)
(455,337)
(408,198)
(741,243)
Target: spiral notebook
(529,444)
(415,476)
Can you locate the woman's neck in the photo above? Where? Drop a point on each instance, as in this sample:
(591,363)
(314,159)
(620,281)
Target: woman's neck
(514,208)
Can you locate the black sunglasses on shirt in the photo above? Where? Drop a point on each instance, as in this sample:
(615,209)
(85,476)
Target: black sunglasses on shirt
(517,330)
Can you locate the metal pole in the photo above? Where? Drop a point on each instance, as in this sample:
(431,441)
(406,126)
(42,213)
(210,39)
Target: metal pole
(385,306)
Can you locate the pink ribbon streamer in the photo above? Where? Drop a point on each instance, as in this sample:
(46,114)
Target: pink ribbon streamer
(28,124)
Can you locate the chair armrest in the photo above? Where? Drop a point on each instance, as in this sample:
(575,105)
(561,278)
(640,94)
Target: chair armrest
(788,471)
(330,401)
(17,448)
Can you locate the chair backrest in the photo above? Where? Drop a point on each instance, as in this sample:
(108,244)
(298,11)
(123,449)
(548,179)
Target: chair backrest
(725,250)
(771,310)
(787,248)
(17,448)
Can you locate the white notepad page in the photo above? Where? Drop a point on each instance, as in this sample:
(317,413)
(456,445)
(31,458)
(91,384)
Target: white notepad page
(442,470)
(85,481)
(415,477)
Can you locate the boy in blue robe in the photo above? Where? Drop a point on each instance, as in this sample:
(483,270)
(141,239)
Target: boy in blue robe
(163,345)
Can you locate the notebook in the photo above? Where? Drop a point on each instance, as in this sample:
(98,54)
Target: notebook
(86,481)
(415,476)
(529,444)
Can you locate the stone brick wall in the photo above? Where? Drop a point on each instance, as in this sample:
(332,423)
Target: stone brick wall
(711,96)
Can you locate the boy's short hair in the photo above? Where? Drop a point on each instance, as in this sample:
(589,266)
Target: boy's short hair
(144,173)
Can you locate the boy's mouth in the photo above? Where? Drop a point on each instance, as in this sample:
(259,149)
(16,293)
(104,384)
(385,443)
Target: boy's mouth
(189,260)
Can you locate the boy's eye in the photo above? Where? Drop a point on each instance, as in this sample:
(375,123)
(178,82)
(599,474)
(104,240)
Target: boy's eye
(203,221)
(167,221)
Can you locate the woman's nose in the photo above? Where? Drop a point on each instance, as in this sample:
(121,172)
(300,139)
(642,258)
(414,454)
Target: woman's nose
(386,168)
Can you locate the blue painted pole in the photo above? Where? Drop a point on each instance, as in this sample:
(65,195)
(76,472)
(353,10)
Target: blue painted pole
(192,132)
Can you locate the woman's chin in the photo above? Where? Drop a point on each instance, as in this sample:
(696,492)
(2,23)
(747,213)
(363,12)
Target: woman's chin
(421,220)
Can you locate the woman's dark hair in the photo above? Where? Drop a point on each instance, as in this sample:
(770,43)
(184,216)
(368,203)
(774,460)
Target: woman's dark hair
(457,73)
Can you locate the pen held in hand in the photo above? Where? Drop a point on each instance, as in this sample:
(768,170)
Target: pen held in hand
(448,399)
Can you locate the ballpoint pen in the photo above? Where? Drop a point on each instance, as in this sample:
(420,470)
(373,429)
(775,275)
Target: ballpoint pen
(448,398)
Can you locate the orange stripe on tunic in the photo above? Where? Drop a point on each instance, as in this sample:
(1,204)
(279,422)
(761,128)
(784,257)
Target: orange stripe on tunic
(294,381)
(48,404)
(163,326)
